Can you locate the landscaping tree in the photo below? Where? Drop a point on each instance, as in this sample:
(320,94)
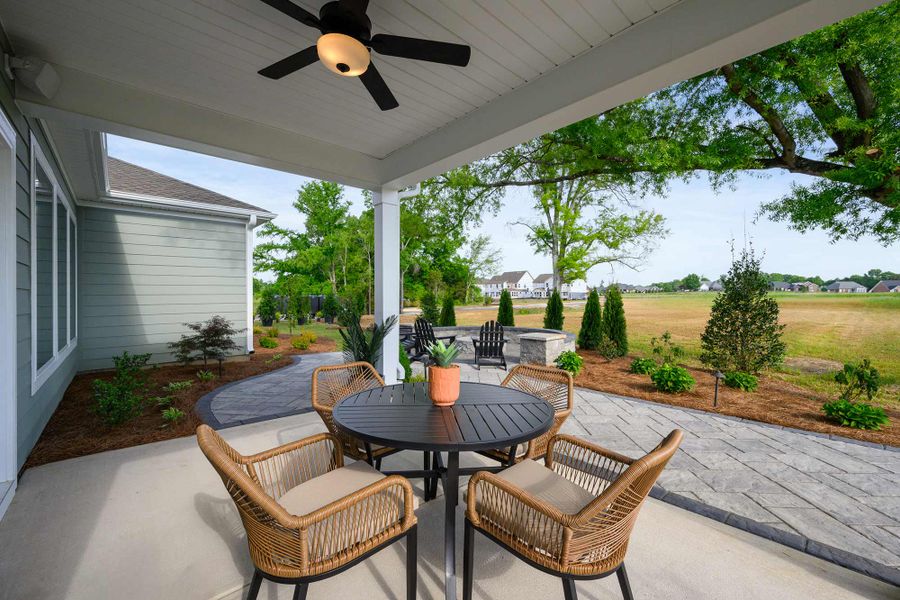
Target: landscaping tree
(691,282)
(591,331)
(330,307)
(505,310)
(823,107)
(553,315)
(213,339)
(430,310)
(448,312)
(614,320)
(743,333)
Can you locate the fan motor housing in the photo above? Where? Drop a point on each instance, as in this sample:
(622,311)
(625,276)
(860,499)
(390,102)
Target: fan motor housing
(335,18)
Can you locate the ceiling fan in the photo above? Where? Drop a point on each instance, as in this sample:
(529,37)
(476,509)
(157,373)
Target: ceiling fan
(346,41)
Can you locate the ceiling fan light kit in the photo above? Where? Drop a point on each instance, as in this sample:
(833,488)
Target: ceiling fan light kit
(346,43)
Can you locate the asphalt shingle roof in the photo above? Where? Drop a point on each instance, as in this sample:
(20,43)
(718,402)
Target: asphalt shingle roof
(132,179)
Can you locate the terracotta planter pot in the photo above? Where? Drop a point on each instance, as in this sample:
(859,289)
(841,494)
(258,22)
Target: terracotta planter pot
(443,385)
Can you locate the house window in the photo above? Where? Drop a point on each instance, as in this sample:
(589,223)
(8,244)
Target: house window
(53,277)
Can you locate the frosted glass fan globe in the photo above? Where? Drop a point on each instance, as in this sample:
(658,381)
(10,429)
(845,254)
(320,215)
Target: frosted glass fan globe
(343,54)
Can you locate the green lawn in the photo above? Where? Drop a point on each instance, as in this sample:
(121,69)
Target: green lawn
(320,329)
(820,328)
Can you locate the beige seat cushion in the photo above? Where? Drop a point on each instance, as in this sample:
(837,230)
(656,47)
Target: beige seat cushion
(547,485)
(325,489)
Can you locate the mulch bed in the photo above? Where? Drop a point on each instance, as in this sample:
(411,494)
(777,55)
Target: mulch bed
(74,430)
(774,401)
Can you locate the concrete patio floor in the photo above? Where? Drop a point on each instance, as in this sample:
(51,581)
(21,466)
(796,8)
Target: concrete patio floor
(155,522)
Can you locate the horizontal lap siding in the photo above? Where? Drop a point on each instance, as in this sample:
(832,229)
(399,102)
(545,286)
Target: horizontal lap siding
(33,410)
(142,276)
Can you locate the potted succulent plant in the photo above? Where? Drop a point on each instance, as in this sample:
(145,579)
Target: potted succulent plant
(443,375)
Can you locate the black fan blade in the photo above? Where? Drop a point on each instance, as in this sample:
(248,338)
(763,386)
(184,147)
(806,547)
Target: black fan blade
(292,63)
(294,11)
(405,47)
(378,88)
(358,6)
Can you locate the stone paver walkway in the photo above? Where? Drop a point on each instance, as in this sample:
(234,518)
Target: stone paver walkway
(835,499)
(271,395)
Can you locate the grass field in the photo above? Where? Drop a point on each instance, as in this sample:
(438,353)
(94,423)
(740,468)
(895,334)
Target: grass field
(823,330)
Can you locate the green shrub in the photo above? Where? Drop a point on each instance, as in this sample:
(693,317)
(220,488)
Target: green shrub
(743,333)
(275,358)
(272,332)
(257,330)
(448,313)
(665,350)
(309,336)
(267,342)
(178,386)
(672,379)
(488,300)
(642,366)
(430,310)
(553,315)
(161,401)
(858,415)
(857,380)
(415,379)
(741,381)
(266,309)
(205,375)
(591,323)
(121,399)
(614,320)
(505,310)
(570,361)
(607,348)
(299,343)
(404,362)
(172,415)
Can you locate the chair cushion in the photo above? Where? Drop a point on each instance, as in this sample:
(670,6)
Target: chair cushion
(547,485)
(323,490)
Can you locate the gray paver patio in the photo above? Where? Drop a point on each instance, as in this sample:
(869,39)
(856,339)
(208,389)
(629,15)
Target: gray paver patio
(836,499)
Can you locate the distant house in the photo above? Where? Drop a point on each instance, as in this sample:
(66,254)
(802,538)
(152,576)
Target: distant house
(886,285)
(846,287)
(780,286)
(519,284)
(704,285)
(716,286)
(805,286)
(543,286)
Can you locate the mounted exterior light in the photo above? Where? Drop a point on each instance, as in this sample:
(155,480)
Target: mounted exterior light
(343,54)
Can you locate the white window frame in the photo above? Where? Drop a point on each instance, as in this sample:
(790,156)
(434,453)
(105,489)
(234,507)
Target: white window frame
(39,376)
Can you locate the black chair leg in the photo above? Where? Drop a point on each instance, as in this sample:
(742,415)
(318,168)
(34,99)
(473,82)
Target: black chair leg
(377,464)
(468,561)
(569,589)
(253,590)
(411,560)
(623,583)
(300,591)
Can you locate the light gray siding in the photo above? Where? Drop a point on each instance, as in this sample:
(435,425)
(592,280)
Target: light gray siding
(143,275)
(33,410)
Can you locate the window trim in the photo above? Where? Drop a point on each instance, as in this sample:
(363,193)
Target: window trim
(39,376)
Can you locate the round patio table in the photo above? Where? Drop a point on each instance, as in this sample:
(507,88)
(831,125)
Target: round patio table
(485,417)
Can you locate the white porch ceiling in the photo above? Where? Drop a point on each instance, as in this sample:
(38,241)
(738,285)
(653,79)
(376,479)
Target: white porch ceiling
(184,73)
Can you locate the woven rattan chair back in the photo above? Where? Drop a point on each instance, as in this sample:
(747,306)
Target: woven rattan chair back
(491,340)
(551,384)
(600,532)
(274,547)
(332,384)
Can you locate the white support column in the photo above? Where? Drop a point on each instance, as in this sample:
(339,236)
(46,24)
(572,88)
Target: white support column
(387,276)
(250,225)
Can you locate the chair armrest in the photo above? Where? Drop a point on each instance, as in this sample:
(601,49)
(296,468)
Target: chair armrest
(583,463)
(282,468)
(452,338)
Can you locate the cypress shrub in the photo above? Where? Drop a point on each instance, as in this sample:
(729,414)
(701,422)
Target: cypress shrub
(448,312)
(614,320)
(429,308)
(591,324)
(505,312)
(553,316)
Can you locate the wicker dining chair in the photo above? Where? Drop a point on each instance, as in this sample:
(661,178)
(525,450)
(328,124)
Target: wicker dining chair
(332,384)
(307,516)
(549,383)
(570,517)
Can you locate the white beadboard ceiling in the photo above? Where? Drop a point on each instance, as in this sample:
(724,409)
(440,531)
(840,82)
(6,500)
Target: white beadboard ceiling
(184,72)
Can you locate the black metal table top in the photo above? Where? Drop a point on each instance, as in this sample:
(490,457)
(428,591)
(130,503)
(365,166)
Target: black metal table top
(403,416)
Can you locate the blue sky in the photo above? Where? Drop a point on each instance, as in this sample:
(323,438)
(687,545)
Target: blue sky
(701,222)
